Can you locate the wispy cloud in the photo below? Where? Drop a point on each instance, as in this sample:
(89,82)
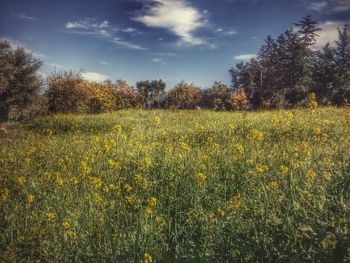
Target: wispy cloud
(129,30)
(227,32)
(158,61)
(178,16)
(104,63)
(100,29)
(94,76)
(87,24)
(121,42)
(25,17)
(330,5)
(318,6)
(244,56)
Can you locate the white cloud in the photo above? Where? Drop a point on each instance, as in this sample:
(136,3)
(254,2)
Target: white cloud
(328,34)
(102,30)
(25,17)
(330,5)
(87,24)
(244,56)
(89,27)
(104,24)
(318,6)
(231,32)
(129,30)
(158,61)
(175,15)
(104,63)
(219,30)
(76,25)
(127,44)
(93,76)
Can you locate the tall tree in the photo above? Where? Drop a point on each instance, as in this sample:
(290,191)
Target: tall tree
(150,90)
(324,75)
(19,79)
(342,52)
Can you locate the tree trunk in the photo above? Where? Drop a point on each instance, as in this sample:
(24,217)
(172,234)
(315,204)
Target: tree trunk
(4,116)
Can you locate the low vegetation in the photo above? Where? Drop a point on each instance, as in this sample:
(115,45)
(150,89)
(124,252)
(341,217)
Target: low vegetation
(177,185)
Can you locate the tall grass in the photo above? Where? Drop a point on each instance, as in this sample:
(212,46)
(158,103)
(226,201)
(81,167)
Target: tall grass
(177,186)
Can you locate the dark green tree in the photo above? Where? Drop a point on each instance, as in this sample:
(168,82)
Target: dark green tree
(342,51)
(19,79)
(324,75)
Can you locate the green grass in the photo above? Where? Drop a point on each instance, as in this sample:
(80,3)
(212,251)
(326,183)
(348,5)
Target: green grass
(177,186)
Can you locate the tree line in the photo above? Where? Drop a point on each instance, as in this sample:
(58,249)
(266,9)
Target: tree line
(291,66)
(286,70)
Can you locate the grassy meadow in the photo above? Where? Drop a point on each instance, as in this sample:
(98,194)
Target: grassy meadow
(185,186)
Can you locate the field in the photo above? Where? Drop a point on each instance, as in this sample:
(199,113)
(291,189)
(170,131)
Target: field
(160,186)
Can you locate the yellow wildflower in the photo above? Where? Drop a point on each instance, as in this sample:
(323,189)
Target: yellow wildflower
(4,194)
(147,258)
(21,180)
(30,198)
(201,177)
(221,212)
(284,169)
(117,129)
(72,234)
(66,224)
(239,148)
(127,188)
(261,168)
(272,185)
(327,176)
(152,202)
(51,217)
(96,181)
(257,135)
(156,120)
(234,202)
(310,175)
(185,146)
(147,162)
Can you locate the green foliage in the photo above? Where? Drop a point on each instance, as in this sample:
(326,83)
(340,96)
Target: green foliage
(150,90)
(239,100)
(184,96)
(289,68)
(19,81)
(125,95)
(194,186)
(217,97)
(65,94)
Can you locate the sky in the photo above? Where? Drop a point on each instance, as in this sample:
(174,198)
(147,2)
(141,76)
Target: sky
(193,40)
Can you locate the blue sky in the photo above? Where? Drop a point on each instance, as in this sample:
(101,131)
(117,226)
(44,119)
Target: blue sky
(192,40)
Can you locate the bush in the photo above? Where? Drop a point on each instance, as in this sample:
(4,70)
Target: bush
(125,96)
(184,96)
(69,93)
(65,94)
(217,97)
(239,99)
(101,97)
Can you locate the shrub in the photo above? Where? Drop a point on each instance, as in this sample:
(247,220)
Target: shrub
(125,96)
(239,99)
(184,96)
(65,94)
(217,97)
(101,97)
